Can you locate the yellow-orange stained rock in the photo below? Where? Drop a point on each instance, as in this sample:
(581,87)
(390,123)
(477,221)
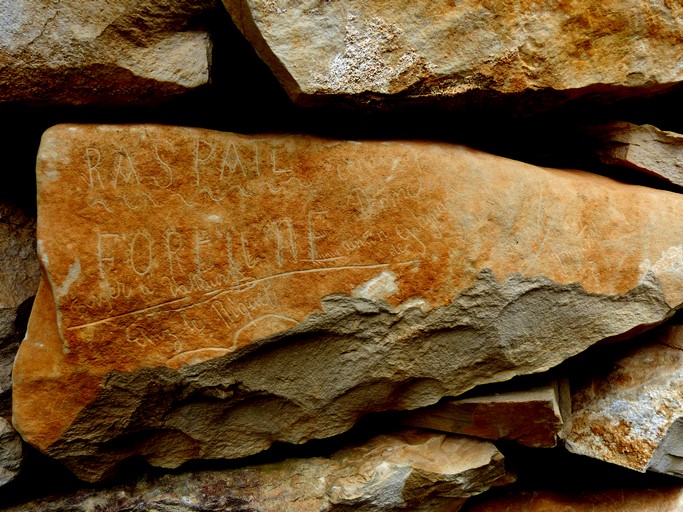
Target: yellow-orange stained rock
(280,287)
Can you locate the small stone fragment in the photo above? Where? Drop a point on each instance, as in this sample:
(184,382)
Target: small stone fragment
(633,415)
(101,51)
(205,294)
(644,148)
(398,51)
(410,471)
(11,452)
(531,417)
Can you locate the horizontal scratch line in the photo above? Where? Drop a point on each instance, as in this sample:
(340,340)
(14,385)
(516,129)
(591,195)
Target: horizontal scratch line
(212,294)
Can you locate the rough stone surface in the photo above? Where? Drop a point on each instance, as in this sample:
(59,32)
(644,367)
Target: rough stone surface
(412,471)
(666,499)
(644,148)
(633,416)
(410,51)
(19,278)
(11,452)
(206,294)
(122,51)
(530,417)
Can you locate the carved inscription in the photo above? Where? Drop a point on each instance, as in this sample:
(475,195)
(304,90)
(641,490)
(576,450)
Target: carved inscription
(195,243)
(186,244)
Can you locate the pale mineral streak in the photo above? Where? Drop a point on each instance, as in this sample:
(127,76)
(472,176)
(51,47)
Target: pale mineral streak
(409,471)
(407,50)
(106,52)
(206,294)
(532,417)
(633,416)
(645,148)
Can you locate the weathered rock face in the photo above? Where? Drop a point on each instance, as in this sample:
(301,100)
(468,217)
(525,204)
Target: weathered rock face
(206,294)
(19,278)
(407,50)
(644,148)
(11,452)
(634,415)
(68,52)
(530,417)
(406,471)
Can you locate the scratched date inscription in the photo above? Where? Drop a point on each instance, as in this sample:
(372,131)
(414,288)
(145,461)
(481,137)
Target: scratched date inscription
(191,244)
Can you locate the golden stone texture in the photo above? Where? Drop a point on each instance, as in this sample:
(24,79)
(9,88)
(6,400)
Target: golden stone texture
(205,294)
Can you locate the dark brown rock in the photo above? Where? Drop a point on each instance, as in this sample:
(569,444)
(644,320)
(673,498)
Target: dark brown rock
(665,499)
(19,278)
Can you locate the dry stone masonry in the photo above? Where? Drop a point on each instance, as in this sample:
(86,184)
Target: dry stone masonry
(240,304)
(289,285)
(11,452)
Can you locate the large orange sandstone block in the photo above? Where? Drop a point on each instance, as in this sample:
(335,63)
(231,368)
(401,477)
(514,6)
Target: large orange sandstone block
(205,294)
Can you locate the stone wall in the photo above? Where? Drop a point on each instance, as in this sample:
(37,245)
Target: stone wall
(330,256)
